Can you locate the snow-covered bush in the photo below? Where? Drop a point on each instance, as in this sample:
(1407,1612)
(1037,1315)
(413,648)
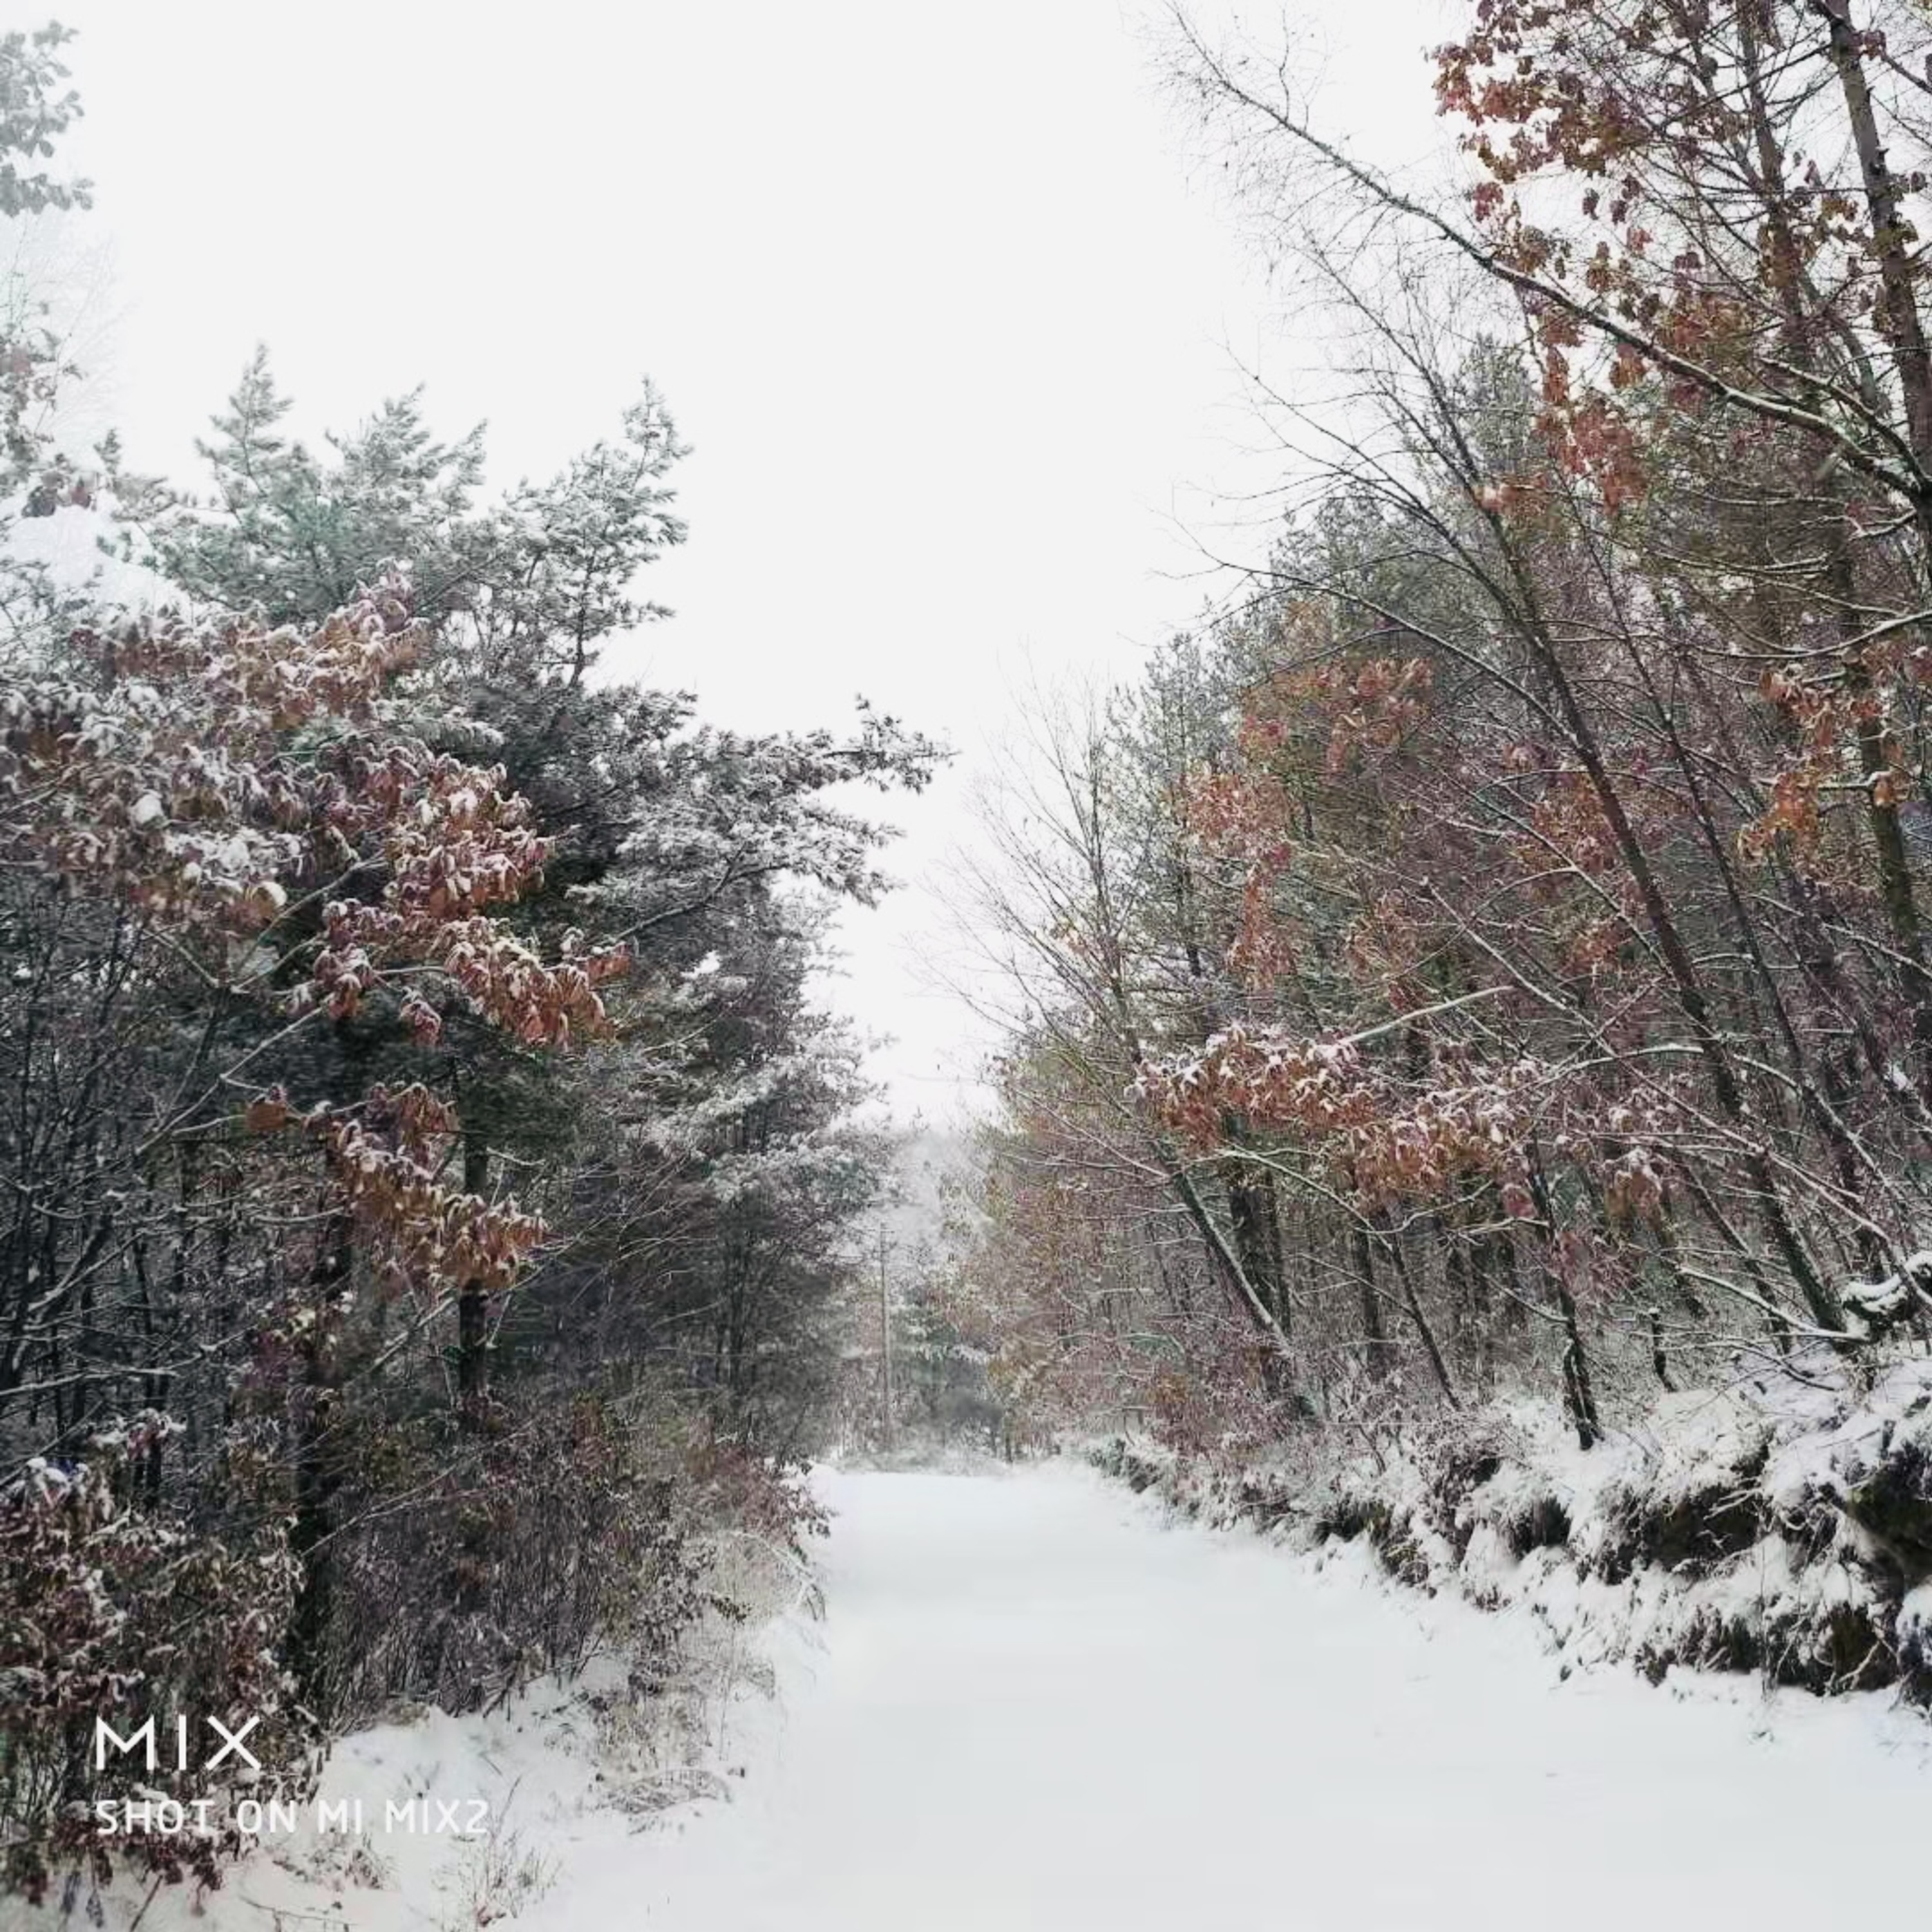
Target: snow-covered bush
(1781,1526)
(569,1527)
(1684,1495)
(126,1615)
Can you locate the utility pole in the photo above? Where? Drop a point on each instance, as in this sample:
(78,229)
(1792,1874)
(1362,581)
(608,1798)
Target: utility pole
(885,1345)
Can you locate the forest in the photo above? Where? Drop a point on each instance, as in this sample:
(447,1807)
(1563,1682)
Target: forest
(1464,1005)
(427,1171)
(1485,963)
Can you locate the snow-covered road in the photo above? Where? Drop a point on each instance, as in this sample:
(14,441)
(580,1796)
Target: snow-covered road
(1039,1706)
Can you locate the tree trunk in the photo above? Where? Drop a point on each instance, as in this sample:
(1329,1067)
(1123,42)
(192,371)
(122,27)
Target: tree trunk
(318,1472)
(1375,1333)
(472,1306)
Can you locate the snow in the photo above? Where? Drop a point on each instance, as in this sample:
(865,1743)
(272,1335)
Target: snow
(1038,1701)
(1915,1618)
(1846,1447)
(1040,1704)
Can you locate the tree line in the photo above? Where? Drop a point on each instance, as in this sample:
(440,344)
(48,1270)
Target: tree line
(427,1170)
(1489,952)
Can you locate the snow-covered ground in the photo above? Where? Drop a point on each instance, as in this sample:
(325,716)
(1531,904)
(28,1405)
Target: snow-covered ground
(1039,1705)
(1037,1702)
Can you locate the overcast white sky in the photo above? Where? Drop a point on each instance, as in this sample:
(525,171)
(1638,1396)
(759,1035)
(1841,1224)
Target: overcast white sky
(951,322)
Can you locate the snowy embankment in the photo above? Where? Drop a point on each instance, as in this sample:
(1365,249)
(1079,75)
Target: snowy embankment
(1780,1526)
(1040,1703)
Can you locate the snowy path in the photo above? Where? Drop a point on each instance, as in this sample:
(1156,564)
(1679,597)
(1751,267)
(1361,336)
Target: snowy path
(1039,1706)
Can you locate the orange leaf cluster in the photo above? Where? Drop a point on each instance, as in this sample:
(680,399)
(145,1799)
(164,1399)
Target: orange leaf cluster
(1383,1142)
(1266,1076)
(428,1237)
(172,782)
(1244,816)
(1830,714)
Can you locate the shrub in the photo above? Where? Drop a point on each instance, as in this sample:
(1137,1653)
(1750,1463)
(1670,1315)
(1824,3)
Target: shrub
(110,1613)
